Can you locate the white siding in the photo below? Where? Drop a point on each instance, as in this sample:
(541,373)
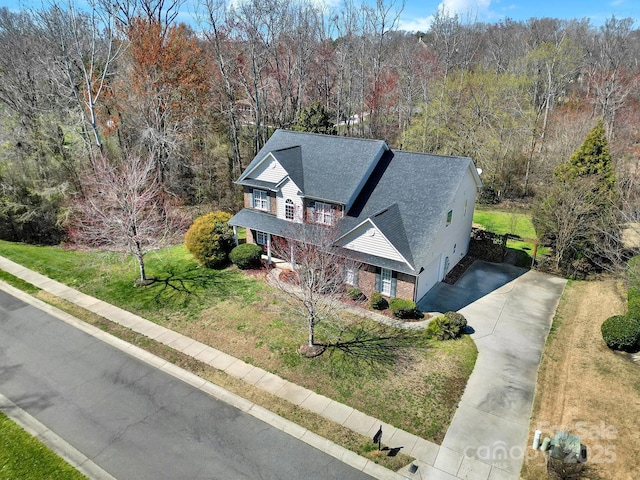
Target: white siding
(289,190)
(457,235)
(429,277)
(269,170)
(368,239)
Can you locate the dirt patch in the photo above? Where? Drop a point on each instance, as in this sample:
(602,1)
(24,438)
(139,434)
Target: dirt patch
(585,388)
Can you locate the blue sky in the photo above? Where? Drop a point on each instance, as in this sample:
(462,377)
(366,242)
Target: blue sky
(417,14)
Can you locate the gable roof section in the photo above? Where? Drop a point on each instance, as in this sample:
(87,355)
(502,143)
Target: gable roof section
(324,167)
(291,161)
(404,195)
(389,222)
(422,188)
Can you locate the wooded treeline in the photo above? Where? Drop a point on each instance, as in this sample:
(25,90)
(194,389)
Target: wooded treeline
(124,79)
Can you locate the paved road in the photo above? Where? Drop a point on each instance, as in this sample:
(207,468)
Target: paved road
(135,421)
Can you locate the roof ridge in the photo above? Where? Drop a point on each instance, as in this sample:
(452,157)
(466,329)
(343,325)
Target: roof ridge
(343,137)
(427,154)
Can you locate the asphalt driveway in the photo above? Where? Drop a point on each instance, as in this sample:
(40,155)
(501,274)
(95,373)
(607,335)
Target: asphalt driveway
(510,311)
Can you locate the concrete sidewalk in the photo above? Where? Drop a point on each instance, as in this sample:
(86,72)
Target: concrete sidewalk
(510,322)
(424,451)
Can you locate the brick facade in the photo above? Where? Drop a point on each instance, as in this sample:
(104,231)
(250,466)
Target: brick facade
(405,284)
(273,206)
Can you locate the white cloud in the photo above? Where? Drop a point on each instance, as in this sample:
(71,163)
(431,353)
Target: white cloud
(422,24)
(467,11)
(466,8)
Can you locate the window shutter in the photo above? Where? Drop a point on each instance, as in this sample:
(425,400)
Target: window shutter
(356,280)
(378,285)
(251,199)
(312,212)
(268,202)
(394,283)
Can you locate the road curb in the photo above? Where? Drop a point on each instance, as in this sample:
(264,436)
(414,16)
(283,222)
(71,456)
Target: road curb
(73,456)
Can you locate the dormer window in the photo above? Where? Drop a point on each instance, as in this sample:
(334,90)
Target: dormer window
(260,200)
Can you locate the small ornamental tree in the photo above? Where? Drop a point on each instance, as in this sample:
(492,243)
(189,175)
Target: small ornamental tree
(210,239)
(314,288)
(124,208)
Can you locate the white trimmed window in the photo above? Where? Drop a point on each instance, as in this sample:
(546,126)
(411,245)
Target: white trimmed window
(449,217)
(385,281)
(324,213)
(260,200)
(289,209)
(350,276)
(261,238)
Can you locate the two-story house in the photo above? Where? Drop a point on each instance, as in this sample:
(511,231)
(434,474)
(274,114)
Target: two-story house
(405,217)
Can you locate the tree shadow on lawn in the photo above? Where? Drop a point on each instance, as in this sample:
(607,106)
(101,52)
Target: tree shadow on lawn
(179,287)
(365,347)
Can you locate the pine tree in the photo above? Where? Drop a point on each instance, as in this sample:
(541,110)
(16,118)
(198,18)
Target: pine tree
(592,158)
(314,119)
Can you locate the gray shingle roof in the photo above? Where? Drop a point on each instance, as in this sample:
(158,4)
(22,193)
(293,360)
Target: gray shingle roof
(406,196)
(411,194)
(291,161)
(389,222)
(324,167)
(268,223)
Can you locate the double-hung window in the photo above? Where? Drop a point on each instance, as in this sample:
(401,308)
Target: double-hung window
(386,280)
(260,200)
(350,276)
(261,238)
(324,213)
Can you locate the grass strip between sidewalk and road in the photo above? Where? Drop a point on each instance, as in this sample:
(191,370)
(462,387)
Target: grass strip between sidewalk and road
(317,424)
(416,389)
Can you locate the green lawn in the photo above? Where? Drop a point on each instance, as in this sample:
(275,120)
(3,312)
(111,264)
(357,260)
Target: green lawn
(502,222)
(22,457)
(509,222)
(240,314)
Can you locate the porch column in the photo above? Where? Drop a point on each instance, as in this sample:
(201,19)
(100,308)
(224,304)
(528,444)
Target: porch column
(235,234)
(269,248)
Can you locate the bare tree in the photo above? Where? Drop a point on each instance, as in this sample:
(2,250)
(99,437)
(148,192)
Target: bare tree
(565,217)
(314,286)
(87,50)
(124,209)
(217,35)
(610,76)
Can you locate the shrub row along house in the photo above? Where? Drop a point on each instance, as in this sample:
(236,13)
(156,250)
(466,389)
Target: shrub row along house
(404,217)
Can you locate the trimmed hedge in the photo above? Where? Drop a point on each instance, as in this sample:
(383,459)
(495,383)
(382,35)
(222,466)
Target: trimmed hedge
(247,255)
(403,308)
(446,327)
(210,239)
(621,332)
(378,302)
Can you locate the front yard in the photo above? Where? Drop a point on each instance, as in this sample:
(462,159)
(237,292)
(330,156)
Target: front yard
(243,316)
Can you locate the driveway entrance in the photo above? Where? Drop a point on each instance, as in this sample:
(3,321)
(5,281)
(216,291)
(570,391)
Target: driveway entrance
(510,311)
